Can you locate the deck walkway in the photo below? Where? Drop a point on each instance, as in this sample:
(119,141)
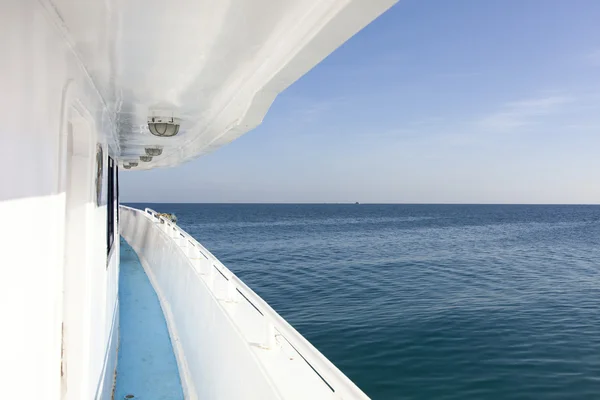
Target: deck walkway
(146,367)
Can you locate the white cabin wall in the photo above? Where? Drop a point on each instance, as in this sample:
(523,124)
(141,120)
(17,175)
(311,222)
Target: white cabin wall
(40,80)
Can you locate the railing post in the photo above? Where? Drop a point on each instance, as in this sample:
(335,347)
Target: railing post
(269,335)
(210,280)
(192,251)
(183,243)
(232,293)
(196,258)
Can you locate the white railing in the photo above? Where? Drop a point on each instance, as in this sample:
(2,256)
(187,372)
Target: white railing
(274,325)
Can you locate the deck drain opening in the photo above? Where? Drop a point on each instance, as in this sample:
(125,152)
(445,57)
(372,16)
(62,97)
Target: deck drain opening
(129,396)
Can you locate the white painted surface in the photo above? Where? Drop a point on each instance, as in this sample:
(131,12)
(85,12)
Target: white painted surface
(229,343)
(43,88)
(216,65)
(104,65)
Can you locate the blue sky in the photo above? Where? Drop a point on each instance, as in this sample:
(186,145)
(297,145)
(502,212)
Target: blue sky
(435,102)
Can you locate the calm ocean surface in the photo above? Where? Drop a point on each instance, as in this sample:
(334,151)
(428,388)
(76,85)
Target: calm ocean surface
(426,301)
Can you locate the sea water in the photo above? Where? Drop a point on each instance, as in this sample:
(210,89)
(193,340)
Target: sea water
(426,301)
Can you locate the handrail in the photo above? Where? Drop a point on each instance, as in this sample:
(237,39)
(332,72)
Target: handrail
(339,383)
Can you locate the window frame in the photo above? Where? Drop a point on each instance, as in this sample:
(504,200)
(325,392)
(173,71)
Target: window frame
(110,207)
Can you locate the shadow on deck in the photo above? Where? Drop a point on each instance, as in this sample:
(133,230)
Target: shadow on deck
(147,368)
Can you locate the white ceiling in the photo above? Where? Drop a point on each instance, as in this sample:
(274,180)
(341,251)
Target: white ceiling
(216,65)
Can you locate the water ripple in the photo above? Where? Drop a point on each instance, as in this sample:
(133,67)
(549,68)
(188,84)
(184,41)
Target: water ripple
(419,302)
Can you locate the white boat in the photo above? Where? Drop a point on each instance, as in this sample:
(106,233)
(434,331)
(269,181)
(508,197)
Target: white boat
(91,88)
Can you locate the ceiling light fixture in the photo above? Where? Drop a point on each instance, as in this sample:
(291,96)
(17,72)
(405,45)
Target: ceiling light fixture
(163,126)
(145,158)
(153,151)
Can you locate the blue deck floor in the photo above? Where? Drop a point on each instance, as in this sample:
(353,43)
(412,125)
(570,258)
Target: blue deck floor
(146,367)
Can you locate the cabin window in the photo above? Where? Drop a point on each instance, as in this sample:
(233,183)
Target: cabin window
(110,206)
(117,189)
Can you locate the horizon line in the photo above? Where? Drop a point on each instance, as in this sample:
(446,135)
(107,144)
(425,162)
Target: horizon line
(359,203)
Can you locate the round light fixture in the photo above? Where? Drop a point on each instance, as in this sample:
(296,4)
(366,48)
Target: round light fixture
(153,151)
(163,126)
(133,163)
(145,158)
(126,166)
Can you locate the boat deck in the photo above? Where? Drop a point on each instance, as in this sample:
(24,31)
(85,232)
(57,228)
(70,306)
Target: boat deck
(146,368)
